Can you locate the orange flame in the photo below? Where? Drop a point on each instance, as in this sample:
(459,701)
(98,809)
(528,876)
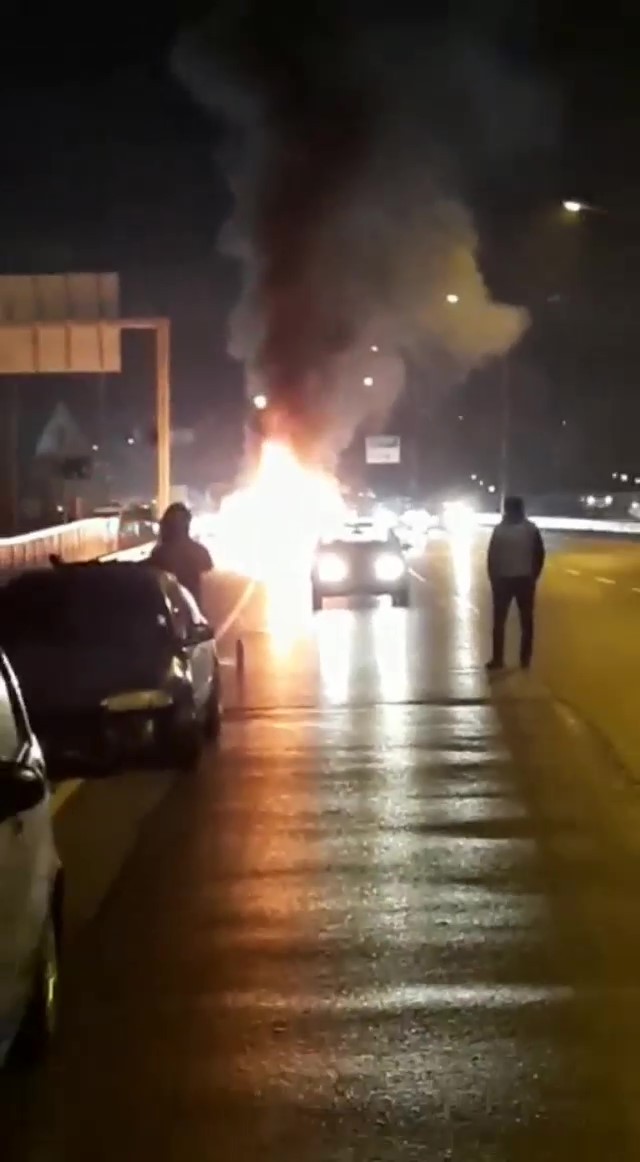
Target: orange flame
(268,530)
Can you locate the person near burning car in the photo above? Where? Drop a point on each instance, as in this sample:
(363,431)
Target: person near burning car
(176,551)
(515,561)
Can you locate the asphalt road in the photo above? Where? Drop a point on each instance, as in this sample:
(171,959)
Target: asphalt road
(395,915)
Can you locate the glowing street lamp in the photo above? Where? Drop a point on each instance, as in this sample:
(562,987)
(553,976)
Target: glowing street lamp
(260,402)
(375,348)
(368,381)
(453,299)
(573,207)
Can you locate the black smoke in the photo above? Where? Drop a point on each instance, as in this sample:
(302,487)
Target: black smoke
(344,219)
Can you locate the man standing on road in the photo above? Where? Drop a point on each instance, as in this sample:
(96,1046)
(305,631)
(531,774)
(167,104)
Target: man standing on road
(176,552)
(515,561)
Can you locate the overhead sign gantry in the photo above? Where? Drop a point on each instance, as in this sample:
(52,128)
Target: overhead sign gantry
(71,323)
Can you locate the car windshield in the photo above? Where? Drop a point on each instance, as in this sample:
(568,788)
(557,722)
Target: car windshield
(353,547)
(93,606)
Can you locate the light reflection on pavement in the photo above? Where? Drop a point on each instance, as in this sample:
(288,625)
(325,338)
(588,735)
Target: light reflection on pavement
(358,934)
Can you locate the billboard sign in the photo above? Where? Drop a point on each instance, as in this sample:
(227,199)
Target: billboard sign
(59,323)
(382,449)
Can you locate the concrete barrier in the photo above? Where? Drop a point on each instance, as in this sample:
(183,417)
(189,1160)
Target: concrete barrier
(77,541)
(136,553)
(570,524)
(98,537)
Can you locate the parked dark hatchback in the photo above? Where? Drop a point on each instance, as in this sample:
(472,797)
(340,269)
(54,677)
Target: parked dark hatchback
(116,663)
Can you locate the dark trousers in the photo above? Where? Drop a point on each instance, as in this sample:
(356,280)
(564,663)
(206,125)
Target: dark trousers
(522,590)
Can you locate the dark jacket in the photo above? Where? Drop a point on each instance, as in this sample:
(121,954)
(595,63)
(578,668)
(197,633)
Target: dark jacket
(186,559)
(516,549)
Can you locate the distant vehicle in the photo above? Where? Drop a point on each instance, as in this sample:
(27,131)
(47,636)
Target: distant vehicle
(138,523)
(116,662)
(109,511)
(413,528)
(360,565)
(31,885)
(365,529)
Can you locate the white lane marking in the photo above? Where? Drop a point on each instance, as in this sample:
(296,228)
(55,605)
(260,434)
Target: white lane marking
(418,576)
(431,997)
(233,616)
(605,580)
(64,793)
(573,572)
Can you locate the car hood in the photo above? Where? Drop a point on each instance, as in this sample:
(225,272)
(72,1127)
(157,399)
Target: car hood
(57,679)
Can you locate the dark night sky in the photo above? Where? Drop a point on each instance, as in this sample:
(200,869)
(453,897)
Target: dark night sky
(108,164)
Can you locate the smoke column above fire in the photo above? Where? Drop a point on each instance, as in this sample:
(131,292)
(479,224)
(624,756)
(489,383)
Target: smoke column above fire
(341,220)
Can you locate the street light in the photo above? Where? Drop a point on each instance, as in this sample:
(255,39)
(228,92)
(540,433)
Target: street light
(453,299)
(368,381)
(575,208)
(260,402)
(375,348)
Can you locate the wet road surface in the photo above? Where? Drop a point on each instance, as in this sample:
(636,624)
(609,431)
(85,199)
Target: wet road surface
(393,918)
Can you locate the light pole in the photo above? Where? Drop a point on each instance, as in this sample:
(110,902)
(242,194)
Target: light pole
(505,430)
(576,209)
(572,206)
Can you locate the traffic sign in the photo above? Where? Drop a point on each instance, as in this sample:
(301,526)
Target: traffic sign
(62,437)
(382,449)
(59,323)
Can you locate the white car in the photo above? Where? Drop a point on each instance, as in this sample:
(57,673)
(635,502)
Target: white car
(30,885)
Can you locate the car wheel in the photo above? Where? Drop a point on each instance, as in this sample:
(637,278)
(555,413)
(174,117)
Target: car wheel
(316,601)
(401,599)
(39,1020)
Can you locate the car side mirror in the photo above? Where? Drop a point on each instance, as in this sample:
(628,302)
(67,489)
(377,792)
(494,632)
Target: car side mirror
(200,634)
(20,790)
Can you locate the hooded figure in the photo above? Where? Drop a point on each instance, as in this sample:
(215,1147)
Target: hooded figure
(176,552)
(514,562)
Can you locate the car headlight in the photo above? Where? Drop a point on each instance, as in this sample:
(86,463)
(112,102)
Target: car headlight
(459,517)
(389,567)
(133,700)
(332,568)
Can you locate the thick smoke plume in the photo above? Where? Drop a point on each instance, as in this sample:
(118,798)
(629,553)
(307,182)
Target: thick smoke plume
(346,239)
